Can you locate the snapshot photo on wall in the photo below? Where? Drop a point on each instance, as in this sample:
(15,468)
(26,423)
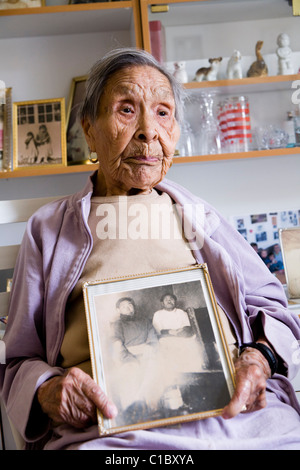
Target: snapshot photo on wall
(39,133)
(262,231)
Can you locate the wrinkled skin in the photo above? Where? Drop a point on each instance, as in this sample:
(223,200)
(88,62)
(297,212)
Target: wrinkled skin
(135,136)
(74,397)
(252,371)
(135,133)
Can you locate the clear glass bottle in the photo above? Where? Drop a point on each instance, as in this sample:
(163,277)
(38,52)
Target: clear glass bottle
(209,134)
(186,145)
(289,127)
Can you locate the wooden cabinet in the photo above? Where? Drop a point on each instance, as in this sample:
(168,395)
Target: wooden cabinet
(43,49)
(194,31)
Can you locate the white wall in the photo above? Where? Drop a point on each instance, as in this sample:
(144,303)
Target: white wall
(240,187)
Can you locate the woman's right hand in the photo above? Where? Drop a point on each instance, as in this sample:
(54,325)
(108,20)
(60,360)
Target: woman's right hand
(73,398)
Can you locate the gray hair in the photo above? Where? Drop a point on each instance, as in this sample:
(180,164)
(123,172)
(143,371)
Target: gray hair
(114,61)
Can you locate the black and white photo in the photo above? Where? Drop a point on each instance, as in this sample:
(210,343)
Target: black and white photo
(39,133)
(157,348)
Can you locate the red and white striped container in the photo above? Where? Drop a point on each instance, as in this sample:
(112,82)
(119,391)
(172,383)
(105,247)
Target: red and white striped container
(236,117)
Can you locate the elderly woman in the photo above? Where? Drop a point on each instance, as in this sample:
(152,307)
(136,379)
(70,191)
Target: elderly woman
(130,117)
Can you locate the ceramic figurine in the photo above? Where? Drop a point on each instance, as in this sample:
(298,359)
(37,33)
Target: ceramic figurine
(180,73)
(234,67)
(284,52)
(259,67)
(209,73)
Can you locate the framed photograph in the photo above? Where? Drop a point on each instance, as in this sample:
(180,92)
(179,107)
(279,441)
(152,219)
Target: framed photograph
(158,349)
(77,148)
(16,4)
(39,133)
(5,162)
(290,247)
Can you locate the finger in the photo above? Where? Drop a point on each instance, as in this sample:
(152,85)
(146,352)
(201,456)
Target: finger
(259,402)
(94,392)
(239,400)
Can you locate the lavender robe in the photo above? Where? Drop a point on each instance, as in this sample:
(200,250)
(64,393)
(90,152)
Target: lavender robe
(54,251)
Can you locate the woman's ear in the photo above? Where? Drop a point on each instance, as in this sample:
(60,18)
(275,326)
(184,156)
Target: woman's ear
(88,132)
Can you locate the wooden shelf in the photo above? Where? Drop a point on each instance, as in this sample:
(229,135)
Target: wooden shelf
(68,19)
(67,8)
(55,170)
(63,170)
(239,155)
(252,84)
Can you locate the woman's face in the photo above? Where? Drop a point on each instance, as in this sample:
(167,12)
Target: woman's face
(136,132)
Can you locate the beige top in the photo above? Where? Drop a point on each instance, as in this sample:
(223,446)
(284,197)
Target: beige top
(132,235)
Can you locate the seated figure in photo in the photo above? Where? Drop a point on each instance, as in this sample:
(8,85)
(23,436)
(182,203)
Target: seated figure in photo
(131,117)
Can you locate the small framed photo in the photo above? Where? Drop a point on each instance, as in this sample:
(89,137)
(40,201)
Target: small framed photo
(16,4)
(77,148)
(39,133)
(290,248)
(158,349)
(5,161)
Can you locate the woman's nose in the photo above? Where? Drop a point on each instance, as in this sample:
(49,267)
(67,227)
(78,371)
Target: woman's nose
(146,131)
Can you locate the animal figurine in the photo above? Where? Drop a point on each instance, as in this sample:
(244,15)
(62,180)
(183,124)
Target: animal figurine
(209,73)
(259,67)
(234,67)
(180,73)
(285,66)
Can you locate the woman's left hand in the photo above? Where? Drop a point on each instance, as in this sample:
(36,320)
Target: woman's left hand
(252,372)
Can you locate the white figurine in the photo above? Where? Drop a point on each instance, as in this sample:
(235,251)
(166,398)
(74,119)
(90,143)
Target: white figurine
(234,67)
(285,66)
(209,73)
(180,73)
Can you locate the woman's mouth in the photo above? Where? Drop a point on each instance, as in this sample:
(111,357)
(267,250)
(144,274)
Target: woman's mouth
(143,159)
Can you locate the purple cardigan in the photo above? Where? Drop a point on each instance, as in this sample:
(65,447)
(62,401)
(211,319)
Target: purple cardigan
(54,250)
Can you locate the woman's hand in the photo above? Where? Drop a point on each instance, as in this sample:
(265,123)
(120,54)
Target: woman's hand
(252,372)
(73,398)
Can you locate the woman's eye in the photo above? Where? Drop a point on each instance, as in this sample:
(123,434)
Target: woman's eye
(127,110)
(162,113)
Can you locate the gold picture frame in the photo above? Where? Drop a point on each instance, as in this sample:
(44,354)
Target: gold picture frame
(158,368)
(7,131)
(290,248)
(39,133)
(77,148)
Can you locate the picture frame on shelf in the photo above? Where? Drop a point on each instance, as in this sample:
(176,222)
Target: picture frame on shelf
(168,373)
(17,4)
(77,148)
(7,131)
(39,133)
(290,248)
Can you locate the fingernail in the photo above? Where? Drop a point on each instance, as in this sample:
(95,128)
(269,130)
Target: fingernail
(112,410)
